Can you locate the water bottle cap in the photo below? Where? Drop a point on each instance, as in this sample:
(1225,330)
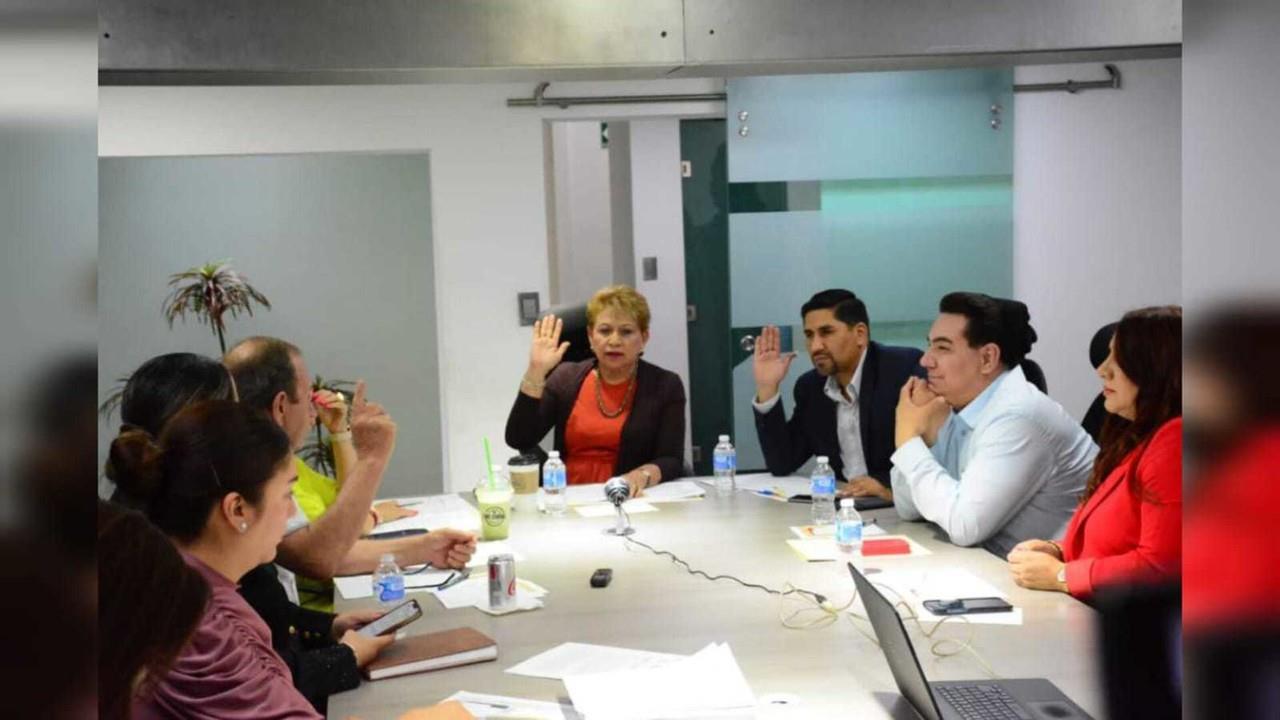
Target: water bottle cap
(388,557)
(553,455)
(822,459)
(724,438)
(846,502)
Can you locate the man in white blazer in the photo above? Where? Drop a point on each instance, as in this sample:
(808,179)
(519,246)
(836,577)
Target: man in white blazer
(981,451)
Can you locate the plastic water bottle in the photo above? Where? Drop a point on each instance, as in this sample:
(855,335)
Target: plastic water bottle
(822,486)
(553,482)
(388,582)
(725,464)
(848,527)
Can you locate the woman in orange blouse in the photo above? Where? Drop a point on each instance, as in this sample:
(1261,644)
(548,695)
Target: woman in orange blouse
(1128,528)
(616,415)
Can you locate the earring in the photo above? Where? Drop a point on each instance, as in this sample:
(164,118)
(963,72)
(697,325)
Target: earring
(244,527)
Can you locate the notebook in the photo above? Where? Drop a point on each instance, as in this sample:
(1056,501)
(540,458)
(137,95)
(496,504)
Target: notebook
(433,651)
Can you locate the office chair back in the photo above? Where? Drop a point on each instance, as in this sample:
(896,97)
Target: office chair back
(1035,374)
(574,331)
(1099,349)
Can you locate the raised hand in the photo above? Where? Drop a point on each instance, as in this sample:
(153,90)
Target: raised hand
(769,363)
(546,350)
(372,429)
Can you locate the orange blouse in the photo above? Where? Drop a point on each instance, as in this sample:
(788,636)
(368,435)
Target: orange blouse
(591,439)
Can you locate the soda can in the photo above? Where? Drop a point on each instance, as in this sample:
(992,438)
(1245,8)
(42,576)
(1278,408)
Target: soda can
(502,582)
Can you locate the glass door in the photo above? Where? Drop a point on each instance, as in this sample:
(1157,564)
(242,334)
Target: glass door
(898,186)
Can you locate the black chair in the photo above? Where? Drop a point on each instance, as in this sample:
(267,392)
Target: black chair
(574,331)
(1099,349)
(1035,374)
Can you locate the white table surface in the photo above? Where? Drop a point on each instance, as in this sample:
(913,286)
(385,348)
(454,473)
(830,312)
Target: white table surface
(652,604)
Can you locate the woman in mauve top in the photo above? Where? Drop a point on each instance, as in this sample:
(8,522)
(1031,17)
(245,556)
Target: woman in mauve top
(616,415)
(1128,528)
(218,483)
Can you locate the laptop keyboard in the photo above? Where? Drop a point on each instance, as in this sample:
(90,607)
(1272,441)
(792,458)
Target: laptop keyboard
(982,702)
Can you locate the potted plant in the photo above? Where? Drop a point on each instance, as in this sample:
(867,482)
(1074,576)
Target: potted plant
(209,292)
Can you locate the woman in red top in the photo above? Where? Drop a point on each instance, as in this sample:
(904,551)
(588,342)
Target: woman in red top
(1128,527)
(616,415)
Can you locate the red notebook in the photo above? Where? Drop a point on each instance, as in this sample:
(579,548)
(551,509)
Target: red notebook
(886,546)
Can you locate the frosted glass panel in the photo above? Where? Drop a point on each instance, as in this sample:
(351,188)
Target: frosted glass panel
(893,185)
(934,123)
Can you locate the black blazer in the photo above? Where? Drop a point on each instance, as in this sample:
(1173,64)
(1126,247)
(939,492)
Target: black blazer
(652,433)
(302,637)
(788,444)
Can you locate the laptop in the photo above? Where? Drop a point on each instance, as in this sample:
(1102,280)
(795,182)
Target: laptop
(1015,699)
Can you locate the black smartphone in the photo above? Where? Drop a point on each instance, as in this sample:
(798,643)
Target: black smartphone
(801,499)
(967,606)
(601,578)
(394,619)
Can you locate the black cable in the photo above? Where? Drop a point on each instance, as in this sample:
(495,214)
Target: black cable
(674,558)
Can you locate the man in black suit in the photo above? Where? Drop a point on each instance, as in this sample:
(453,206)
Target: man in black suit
(844,406)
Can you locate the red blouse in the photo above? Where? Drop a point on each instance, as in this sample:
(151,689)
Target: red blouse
(1119,536)
(591,439)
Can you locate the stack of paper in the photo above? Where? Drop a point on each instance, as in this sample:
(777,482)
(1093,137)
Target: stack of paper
(573,658)
(495,707)
(705,683)
(677,490)
(434,511)
(915,586)
(474,592)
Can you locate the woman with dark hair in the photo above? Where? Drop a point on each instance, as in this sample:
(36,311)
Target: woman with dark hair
(149,602)
(218,483)
(323,652)
(1128,527)
(162,386)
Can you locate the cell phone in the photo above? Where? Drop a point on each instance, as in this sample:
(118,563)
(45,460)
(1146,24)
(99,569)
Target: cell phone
(967,606)
(801,499)
(601,578)
(394,619)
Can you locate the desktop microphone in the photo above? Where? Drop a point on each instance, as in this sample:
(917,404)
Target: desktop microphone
(617,491)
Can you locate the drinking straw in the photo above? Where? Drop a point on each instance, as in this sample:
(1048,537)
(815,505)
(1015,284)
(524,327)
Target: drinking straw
(488,464)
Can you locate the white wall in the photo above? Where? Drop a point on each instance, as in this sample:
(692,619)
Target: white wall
(657,209)
(1231,170)
(488,200)
(584,251)
(1097,210)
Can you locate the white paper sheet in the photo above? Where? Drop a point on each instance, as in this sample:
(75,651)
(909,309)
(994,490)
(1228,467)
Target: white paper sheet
(485,550)
(823,549)
(475,593)
(434,511)
(573,658)
(786,486)
(596,510)
(708,681)
(916,586)
(496,707)
(808,532)
(674,491)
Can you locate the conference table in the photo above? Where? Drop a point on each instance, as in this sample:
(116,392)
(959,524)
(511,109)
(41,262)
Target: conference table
(653,604)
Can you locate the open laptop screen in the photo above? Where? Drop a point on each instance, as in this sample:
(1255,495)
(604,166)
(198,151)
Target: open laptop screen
(897,648)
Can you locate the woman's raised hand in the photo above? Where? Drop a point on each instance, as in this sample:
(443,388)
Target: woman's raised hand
(546,350)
